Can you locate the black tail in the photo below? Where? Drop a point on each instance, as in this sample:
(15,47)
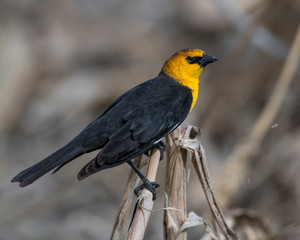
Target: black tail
(89,169)
(60,157)
(93,166)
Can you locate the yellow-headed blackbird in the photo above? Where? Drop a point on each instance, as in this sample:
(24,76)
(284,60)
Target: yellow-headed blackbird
(134,123)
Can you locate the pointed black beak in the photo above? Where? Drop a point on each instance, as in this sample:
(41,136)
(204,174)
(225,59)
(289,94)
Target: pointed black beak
(207,59)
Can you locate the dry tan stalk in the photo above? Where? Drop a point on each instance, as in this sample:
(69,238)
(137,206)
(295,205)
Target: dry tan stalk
(239,161)
(191,142)
(145,202)
(175,189)
(133,180)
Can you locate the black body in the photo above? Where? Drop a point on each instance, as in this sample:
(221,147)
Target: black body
(130,126)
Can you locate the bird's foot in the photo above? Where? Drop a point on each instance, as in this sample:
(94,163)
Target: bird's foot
(150,186)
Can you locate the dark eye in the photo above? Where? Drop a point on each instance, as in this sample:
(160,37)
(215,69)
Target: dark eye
(193,60)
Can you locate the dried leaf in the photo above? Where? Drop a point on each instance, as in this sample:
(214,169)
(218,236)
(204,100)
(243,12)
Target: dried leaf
(193,220)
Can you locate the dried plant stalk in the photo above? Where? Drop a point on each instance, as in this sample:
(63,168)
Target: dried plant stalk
(239,161)
(145,202)
(133,180)
(191,142)
(175,189)
(176,221)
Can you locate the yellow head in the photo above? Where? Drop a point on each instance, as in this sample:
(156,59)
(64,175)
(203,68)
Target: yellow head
(186,66)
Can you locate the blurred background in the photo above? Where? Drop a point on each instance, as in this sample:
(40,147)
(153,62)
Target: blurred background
(63,62)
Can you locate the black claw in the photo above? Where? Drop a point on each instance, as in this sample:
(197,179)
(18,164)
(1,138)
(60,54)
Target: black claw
(150,186)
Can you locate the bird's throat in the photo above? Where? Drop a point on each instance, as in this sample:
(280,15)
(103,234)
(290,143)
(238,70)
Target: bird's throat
(189,80)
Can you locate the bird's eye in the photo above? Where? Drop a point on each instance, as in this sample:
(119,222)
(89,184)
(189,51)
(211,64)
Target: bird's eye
(193,60)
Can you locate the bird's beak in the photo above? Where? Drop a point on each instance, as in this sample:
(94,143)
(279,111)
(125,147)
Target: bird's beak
(207,59)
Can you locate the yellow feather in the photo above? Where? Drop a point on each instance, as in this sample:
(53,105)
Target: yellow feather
(183,72)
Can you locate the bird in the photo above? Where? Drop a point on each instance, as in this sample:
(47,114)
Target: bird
(134,123)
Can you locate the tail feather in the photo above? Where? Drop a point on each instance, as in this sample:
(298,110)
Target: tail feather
(89,169)
(97,164)
(60,157)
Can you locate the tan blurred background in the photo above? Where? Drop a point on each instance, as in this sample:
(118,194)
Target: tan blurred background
(62,62)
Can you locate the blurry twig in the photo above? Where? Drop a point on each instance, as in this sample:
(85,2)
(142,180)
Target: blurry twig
(249,224)
(223,77)
(239,161)
(289,231)
(145,202)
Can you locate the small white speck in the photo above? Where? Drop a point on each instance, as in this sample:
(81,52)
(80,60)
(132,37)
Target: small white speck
(275,125)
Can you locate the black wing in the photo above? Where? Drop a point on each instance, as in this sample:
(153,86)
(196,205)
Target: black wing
(153,114)
(129,127)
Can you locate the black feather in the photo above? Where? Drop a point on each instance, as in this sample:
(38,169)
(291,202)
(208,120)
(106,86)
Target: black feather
(148,120)
(61,156)
(130,126)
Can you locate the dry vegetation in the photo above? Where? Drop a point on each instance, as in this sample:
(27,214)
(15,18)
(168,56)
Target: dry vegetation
(62,62)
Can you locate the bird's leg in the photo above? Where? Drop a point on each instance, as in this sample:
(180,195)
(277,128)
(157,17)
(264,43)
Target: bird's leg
(146,183)
(161,147)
